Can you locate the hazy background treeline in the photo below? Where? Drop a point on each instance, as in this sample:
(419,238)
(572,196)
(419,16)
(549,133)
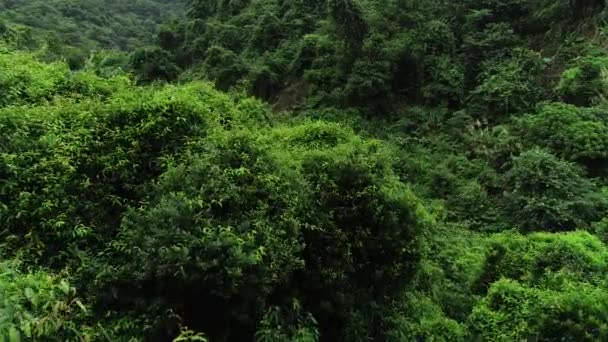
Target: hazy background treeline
(71,29)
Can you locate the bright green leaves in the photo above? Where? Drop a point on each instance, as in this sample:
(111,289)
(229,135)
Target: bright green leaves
(226,217)
(37,306)
(543,286)
(514,311)
(182,199)
(585,81)
(545,259)
(70,169)
(24,80)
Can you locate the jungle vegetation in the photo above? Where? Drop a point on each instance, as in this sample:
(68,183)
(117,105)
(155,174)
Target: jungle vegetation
(303,170)
(72,29)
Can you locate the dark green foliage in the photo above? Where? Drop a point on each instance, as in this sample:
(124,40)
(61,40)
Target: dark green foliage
(151,64)
(581,8)
(165,200)
(507,87)
(374,219)
(544,192)
(348,17)
(601,229)
(223,66)
(235,225)
(73,166)
(351,56)
(577,134)
(224,228)
(585,82)
(286,325)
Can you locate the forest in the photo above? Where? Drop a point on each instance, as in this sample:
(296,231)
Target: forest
(303,170)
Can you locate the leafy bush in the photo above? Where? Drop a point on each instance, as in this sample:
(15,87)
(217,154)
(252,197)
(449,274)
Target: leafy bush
(600,229)
(227,219)
(514,311)
(37,306)
(543,286)
(289,325)
(544,259)
(577,134)
(507,87)
(362,216)
(74,168)
(422,319)
(151,64)
(311,212)
(584,82)
(24,80)
(543,192)
(493,41)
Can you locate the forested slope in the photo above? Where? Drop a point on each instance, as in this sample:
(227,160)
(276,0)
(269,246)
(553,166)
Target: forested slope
(73,28)
(311,170)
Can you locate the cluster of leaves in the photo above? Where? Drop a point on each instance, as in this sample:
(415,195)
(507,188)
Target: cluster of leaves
(38,306)
(543,286)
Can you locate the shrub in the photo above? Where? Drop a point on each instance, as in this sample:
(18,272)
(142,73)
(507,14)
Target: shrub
(508,87)
(543,192)
(577,134)
(228,220)
(287,324)
(363,217)
(72,169)
(248,220)
(544,259)
(150,64)
(600,229)
(24,80)
(514,311)
(38,306)
(421,319)
(585,82)
(223,66)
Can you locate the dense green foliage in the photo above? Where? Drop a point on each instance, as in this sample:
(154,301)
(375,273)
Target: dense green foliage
(148,192)
(304,170)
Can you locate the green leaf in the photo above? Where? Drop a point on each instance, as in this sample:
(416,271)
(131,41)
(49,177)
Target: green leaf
(14,335)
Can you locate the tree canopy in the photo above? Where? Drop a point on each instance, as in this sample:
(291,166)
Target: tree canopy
(304,170)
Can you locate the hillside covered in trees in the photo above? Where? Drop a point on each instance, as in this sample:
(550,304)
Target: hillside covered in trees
(304,170)
(72,29)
